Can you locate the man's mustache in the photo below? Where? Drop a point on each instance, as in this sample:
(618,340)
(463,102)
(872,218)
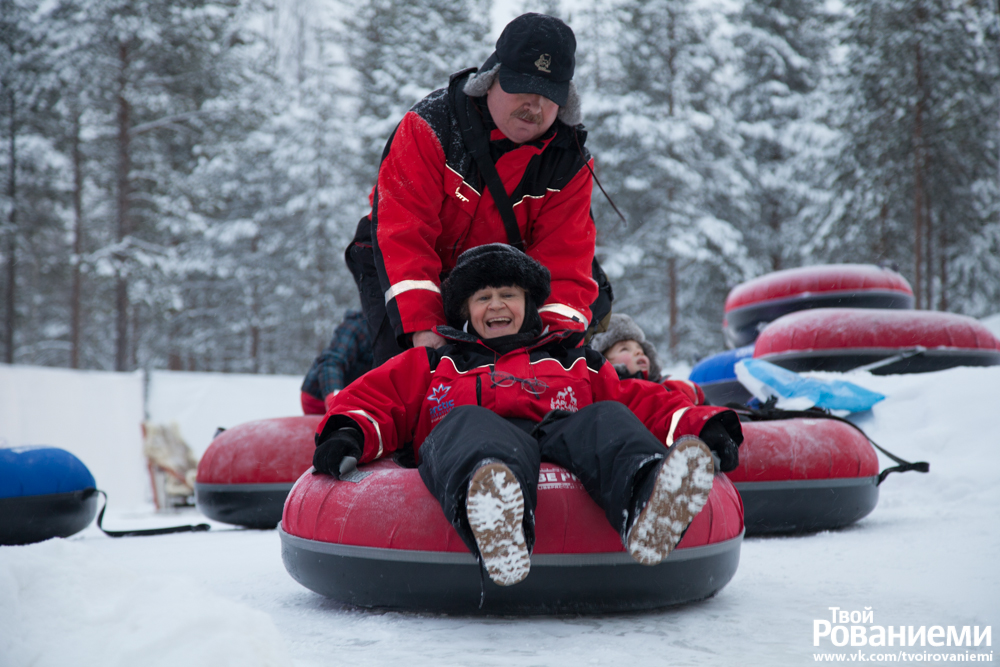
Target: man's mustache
(524,114)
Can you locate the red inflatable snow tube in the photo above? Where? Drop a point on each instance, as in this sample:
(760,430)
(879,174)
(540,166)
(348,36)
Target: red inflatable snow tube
(841,339)
(248,470)
(383,541)
(751,305)
(800,475)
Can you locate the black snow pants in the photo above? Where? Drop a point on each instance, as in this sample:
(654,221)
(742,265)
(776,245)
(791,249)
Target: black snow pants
(604,445)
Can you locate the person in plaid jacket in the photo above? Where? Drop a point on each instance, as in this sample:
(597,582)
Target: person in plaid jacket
(345,359)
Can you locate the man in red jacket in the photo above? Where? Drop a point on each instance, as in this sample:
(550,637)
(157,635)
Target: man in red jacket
(431,201)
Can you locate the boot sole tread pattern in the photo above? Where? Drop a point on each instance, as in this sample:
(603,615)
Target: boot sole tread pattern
(495,508)
(680,492)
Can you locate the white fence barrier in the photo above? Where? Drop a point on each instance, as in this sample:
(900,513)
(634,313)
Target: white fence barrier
(98,415)
(93,414)
(200,403)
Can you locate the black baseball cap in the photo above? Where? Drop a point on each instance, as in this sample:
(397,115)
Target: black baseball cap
(537,54)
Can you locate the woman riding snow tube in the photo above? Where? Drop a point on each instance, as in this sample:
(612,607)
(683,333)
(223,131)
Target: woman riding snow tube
(485,409)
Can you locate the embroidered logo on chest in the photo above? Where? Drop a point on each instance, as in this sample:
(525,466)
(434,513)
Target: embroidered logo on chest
(443,407)
(564,400)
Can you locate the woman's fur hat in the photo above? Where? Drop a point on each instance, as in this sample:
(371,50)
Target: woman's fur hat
(494,265)
(623,327)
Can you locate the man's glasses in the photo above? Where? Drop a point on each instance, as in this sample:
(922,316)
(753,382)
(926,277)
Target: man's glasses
(533,386)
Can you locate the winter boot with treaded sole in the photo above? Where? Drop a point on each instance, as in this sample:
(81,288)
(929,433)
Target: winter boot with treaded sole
(680,491)
(495,507)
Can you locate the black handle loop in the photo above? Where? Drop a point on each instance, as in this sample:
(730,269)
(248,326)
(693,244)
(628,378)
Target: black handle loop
(198,528)
(919,466)
(768,412)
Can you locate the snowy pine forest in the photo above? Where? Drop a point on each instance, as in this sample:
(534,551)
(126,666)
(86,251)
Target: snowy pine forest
(179,178)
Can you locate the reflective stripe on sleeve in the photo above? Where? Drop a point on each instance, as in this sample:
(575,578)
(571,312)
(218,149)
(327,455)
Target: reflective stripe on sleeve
(674,421)
(565,311)
(374,423)
(407,285)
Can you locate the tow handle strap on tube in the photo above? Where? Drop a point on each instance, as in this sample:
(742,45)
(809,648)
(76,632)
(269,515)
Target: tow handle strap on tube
(767,412)
(201,527)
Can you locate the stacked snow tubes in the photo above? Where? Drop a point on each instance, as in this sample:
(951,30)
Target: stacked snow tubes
(716,375)
(751,305)
(803,475)
(248,470)
(383,541)
(45,492)
(841,339)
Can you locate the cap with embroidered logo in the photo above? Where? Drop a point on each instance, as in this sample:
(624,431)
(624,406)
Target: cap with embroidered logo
(537,54)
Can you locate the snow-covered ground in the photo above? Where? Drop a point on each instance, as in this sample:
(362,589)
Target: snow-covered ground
(926,556)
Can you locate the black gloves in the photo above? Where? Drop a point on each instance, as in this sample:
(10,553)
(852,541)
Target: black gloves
(718,433)
(330,454)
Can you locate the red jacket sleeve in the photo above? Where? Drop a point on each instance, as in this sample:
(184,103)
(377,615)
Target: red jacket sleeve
(667,414)
(686,387)
(384,403)
(562,238)
(407,209)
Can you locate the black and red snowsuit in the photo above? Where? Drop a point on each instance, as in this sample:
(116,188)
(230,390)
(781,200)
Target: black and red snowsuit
(430,204)
(466,402)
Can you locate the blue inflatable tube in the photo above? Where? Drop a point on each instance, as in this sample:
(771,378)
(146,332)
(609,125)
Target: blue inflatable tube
(45,492)
(716,375)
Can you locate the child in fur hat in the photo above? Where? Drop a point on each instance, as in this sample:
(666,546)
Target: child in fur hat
(624,344)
